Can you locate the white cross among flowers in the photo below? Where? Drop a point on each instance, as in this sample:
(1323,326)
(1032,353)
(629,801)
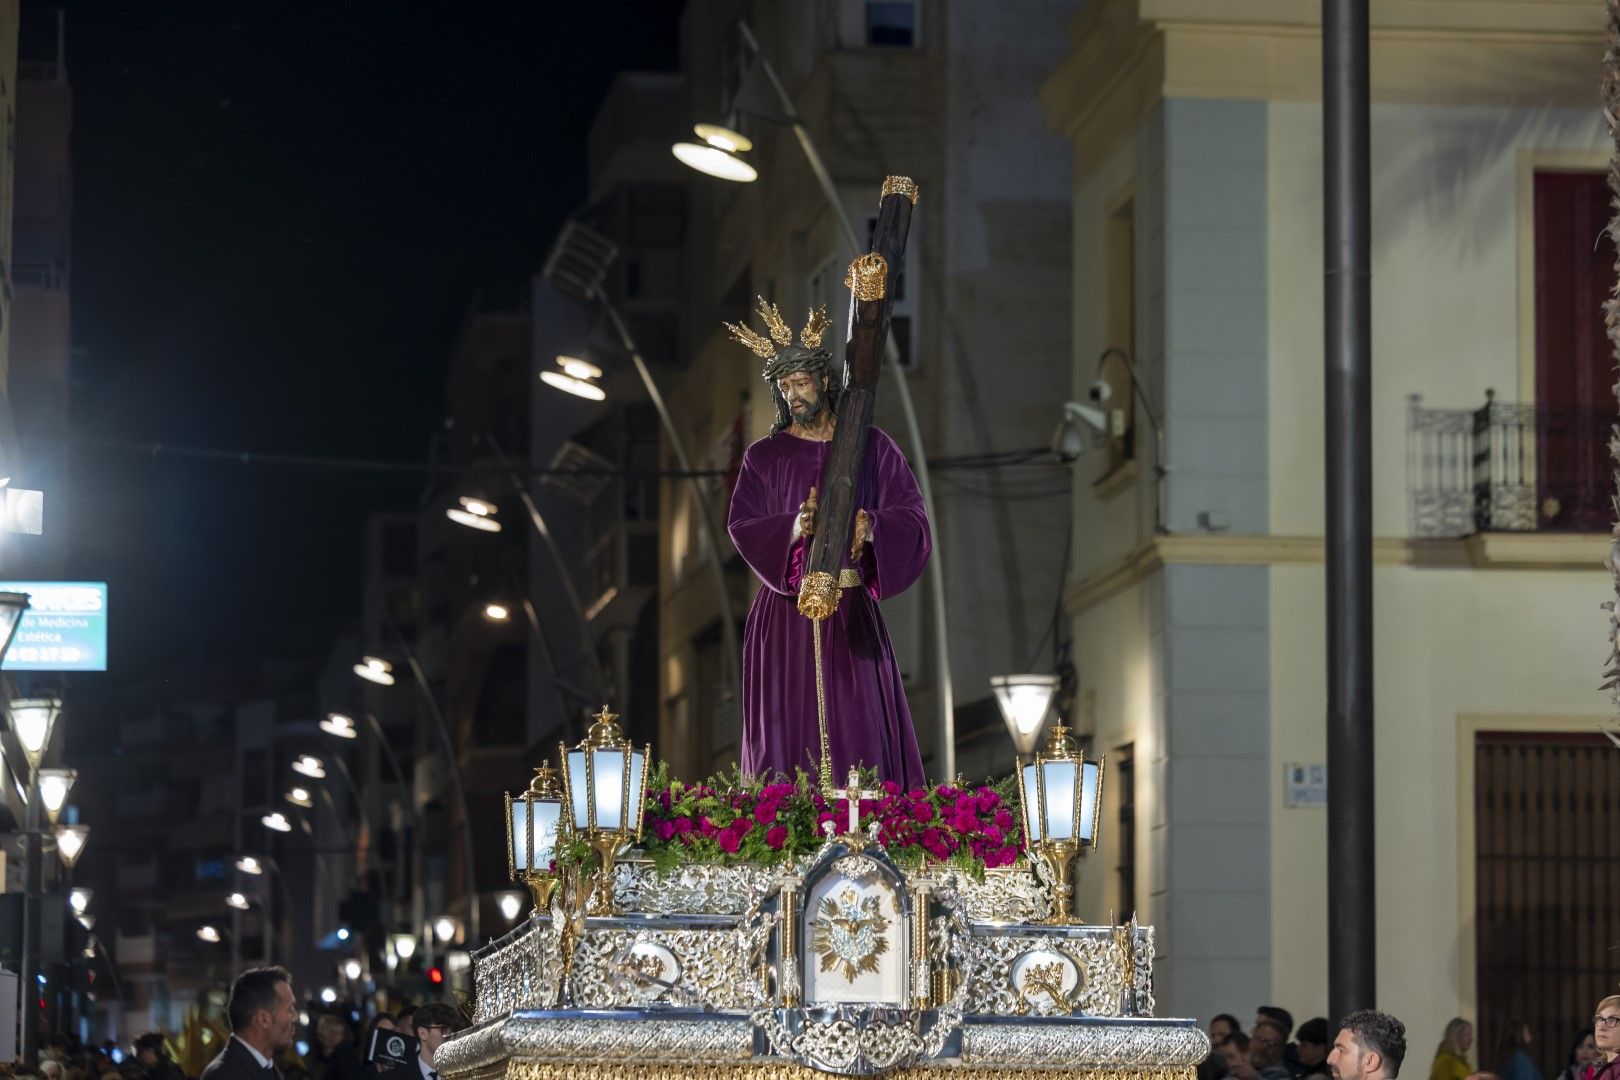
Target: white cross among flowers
(854,793)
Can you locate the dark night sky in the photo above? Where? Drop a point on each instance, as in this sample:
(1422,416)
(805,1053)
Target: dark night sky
(281,213)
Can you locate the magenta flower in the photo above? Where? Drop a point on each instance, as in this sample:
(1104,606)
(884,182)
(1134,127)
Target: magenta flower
(683,825)
(663,829)
(923,811)
(776,837)
(1004,819)
(765,812)
(729,841)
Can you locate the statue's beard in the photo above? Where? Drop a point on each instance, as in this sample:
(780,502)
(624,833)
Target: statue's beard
(812,408)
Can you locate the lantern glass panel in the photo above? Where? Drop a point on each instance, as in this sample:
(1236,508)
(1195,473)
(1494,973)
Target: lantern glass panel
(608,765)
(638,768)
(1088,801)
(579,789)
(1032,804)
(546,818)
(1059,777)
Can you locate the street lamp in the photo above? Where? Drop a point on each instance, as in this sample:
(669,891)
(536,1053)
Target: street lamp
(33,719)
(497,612)
(237,901)
(12,606)
(311,766)
(328,995)
(250,865)
(404,946)
(70,841)
(475,514)
(209,933)
(54,785)
(339,725)
(299,797)
(577,377)
(373,669)
(79,899)
(444,928)
(511,905)
(605,786)
(717,154)
(1025,701)
(276,821)
(351,969)
(1060,794)
(88,921)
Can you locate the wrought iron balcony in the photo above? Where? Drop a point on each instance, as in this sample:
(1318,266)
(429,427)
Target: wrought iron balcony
(1508,468)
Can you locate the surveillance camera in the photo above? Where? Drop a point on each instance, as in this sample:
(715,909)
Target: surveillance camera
(1068,443)
(1100,391)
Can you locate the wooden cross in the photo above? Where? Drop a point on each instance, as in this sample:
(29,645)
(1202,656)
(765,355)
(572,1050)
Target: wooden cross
(853,793)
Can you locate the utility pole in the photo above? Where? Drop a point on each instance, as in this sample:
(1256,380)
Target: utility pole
(1347,254)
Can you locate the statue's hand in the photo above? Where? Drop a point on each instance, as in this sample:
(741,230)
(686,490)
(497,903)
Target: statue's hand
(807,515)
(863,534)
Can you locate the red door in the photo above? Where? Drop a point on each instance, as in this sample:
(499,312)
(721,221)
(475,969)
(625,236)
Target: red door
(1575,370)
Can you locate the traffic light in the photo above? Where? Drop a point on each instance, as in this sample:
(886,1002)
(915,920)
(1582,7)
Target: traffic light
(435,975)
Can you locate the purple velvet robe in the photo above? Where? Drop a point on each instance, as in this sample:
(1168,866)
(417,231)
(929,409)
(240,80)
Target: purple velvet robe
(868,722)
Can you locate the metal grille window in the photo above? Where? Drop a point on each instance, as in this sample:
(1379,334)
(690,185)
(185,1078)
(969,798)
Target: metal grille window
(1547,875)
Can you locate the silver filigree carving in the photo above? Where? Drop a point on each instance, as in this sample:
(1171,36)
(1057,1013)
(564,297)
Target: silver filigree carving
(691,889)
(713,969)
(1006,895)
(1161,1044)
(987,971)
(628,1039)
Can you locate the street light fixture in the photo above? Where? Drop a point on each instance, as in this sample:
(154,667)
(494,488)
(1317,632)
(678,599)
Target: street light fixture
(577,377)
(376,670)
(475,514)
(70,841)
(299,797)
(1025,701)
(511,905)
(250,865)
(79,899)
(328,995)
(34,719)
(88,921)
(351,969)
(717,154)
(12,606)
(311,766)
(340,725)
(277,821)
(237,901)
(209,933)
(404,946)
(497,612)
(444,928)
(54,785)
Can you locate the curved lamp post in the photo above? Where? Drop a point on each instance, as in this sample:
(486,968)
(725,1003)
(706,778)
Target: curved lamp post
(1024,700)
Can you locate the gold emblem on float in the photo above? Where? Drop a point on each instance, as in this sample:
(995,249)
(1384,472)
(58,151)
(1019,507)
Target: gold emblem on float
(850,933)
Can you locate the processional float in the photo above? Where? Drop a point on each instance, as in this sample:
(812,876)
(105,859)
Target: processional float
(857,931)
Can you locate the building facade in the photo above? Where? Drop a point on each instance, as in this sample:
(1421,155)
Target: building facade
(1195,595)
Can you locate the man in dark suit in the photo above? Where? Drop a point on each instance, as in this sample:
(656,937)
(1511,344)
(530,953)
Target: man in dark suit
(264,1018)
(431,1024)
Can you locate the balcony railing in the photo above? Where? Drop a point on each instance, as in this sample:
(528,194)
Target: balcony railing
(1508,468)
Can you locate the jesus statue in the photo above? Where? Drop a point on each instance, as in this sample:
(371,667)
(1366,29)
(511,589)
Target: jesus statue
(772,520)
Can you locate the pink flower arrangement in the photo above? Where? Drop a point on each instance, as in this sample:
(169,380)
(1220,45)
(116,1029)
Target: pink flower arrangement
(736,819)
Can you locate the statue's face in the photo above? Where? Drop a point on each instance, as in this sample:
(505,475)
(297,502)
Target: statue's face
(806,395)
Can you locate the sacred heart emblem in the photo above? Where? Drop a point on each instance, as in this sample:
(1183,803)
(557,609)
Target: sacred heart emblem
(850,933)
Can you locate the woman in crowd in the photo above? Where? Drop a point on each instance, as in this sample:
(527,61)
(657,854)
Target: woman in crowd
(1517,1064)
(1451,1058)
(1606,1034)
(1580,1056)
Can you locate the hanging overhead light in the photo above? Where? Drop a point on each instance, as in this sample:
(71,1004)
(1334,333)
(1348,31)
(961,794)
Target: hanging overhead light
(475,514)
(276,821)
(374,669)
(12,606)
(497,612)
(237,901)
(79,899)
(250,865)
(717,154)
(34,719)
(299,797)
(209,934)
(340,725)
(577,377)
(309,765)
